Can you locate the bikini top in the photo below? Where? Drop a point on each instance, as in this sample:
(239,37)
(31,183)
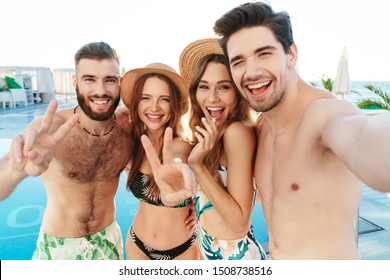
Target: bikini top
(202,202)
(140,188)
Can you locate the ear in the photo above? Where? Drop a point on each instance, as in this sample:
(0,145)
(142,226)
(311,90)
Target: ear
(74,81)
(293,55)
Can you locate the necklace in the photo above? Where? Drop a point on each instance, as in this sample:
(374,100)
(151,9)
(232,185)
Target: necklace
(96,135)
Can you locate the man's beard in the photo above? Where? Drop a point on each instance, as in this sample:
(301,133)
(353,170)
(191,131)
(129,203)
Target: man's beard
(84,105)
(266,105)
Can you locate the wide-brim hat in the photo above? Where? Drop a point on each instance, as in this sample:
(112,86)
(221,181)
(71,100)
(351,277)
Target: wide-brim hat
(131,76)
(194,53)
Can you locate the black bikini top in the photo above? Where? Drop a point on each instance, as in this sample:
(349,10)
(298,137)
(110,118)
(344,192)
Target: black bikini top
(140,188)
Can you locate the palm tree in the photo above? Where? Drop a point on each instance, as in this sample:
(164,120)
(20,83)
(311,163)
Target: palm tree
(380,101)
(327,83)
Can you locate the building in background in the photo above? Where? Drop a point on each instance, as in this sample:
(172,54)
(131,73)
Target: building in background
(41,84)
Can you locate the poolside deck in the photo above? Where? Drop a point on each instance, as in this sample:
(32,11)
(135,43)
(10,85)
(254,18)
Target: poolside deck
(374,209)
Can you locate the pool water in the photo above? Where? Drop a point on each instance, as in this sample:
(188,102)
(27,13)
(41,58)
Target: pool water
(21,215)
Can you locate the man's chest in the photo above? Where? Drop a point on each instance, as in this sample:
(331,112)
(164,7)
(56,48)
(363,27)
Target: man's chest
(89,159)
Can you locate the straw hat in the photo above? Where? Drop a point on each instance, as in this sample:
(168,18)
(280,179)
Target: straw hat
(193,54)
(131,76)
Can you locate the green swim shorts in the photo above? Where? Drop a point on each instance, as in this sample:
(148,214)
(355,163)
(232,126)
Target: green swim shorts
(106,244)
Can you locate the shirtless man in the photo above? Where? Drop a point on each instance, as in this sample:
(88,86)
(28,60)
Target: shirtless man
(314,151)
(80,164)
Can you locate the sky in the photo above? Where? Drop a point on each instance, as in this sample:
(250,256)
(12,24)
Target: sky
(49,32)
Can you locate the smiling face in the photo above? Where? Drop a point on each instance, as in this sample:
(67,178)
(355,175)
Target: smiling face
(215,93)
(154,107)
(97,87)
(259,66)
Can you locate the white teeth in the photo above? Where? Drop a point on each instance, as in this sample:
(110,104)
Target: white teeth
(214,109)
(100,101)
(154,116)
(256,86)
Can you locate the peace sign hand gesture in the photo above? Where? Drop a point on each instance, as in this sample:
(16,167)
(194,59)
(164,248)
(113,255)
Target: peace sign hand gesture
(32,152)
(174,178)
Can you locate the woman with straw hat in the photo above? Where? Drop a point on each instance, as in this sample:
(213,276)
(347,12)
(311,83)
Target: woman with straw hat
(222,157)
(157,98)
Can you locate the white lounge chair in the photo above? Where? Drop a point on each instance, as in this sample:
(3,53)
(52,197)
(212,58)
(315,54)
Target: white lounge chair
(18,95)
(5,98)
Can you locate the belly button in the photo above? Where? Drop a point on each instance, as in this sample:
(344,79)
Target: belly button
(295,187)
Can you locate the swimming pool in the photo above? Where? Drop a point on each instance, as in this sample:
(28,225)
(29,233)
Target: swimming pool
(21,215)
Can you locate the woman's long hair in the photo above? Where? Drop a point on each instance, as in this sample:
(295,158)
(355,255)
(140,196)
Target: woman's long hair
(138,128)
(241,112)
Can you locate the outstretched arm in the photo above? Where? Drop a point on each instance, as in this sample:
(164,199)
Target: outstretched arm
(174,178)
(362,142)
(31,153)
